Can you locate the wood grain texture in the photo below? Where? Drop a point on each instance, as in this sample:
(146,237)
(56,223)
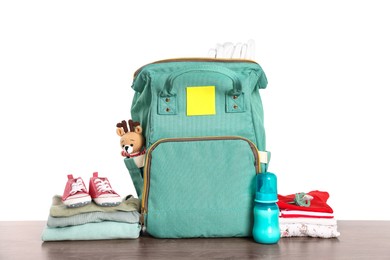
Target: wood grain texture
(358,240)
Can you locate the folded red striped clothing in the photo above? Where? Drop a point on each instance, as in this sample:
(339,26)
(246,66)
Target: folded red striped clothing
(317,204)
(304,214)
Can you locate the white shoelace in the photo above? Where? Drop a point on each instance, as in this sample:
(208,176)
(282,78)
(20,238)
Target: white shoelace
(102,186)
(77,186)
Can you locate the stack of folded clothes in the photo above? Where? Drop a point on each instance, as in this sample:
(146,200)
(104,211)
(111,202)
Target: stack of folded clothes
(73,216)
(92,222)
(307,214)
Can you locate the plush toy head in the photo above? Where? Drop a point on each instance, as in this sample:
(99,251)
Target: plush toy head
(132,142)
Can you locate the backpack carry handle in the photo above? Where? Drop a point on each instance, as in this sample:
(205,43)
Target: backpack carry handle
(168,90)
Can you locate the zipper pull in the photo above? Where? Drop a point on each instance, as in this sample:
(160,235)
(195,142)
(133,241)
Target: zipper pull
(142,220)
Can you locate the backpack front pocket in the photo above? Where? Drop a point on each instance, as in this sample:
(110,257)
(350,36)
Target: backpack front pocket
(200,187)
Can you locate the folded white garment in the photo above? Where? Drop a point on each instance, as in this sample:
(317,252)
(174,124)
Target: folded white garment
(308,227)
(314,221)
(301,213)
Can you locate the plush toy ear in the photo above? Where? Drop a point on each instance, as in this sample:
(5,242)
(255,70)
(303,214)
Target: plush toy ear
(138,129)
(120,131)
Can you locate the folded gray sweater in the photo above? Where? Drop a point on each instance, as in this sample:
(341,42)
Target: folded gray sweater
(94,217)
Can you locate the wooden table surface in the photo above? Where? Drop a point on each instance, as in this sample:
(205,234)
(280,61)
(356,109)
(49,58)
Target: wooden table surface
(358,240)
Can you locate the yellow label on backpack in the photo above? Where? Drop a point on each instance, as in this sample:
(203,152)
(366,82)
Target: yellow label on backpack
(200,100)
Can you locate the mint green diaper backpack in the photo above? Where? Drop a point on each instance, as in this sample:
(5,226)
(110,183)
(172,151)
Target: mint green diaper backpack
(203,124)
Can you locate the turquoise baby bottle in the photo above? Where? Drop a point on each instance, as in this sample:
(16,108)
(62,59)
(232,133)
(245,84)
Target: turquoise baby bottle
(266,228)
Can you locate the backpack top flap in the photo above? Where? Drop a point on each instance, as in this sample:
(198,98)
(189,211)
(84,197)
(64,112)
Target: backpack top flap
(199,97)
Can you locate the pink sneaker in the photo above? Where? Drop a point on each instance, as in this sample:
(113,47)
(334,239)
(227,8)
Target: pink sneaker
(75,193)
(102,193)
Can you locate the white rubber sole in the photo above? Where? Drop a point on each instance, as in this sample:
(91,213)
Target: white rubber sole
(76,202)
(108,201)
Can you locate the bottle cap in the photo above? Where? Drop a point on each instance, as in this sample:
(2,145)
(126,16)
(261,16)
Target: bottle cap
(266,188)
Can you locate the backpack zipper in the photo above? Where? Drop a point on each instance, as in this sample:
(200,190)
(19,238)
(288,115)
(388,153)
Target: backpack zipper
(194,60)
(144,204)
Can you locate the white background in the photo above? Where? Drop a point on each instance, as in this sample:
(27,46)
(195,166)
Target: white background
(66,70)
